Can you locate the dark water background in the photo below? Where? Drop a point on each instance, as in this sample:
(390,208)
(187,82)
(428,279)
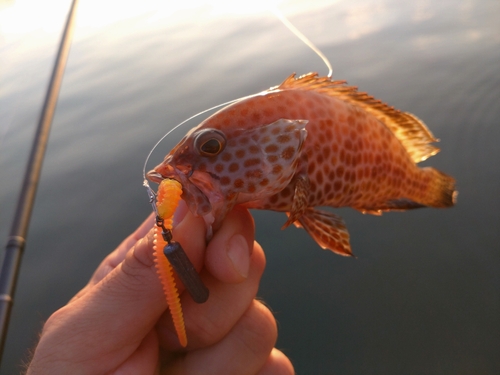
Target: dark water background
(423,296)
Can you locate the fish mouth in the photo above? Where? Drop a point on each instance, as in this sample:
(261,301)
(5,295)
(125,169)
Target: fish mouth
(163,171)
(154,176)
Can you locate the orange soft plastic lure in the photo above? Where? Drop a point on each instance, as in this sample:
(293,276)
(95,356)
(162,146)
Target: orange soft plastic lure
(166,208)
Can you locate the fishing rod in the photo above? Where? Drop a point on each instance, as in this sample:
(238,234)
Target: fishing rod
(17,238)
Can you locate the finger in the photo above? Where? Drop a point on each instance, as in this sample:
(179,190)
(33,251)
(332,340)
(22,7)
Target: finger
(117,313)
(228,253)
(180,213)
(144,360)
(277,364)
(209,322)
(139,233)
(223,296)
(190,232)
(244,350)
(116,257)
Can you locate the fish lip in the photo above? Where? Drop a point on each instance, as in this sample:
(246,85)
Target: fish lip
(154,176)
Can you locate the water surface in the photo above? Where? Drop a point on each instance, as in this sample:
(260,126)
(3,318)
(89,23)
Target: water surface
(423,295)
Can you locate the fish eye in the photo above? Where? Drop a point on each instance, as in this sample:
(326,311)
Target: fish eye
(210,142)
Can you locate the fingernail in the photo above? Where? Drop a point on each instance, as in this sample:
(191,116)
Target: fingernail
(239,255)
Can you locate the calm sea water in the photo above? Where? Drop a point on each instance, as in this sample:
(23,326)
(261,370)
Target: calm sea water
(423,295)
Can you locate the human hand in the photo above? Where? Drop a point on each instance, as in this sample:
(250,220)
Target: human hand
(119,323)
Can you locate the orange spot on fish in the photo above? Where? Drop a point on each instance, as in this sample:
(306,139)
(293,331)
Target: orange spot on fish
(238,183)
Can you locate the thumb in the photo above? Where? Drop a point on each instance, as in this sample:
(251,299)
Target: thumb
(113,317)
(133,291)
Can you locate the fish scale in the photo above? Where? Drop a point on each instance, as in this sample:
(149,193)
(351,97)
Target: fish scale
(308,142)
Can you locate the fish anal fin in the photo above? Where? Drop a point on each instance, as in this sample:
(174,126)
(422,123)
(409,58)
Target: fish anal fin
(402,204)
(370,211)
(408,128)
(327,229)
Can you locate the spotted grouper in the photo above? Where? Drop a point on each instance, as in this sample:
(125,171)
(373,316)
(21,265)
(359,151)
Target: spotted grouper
(308,142)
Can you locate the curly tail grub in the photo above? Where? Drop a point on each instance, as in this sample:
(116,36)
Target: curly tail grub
(169,193)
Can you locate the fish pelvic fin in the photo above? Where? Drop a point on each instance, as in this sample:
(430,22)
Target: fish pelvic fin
(408,128)
(300,200)
(327,229)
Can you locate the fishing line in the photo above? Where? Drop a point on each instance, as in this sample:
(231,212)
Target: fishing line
(304,39)
(145,183)
(290,27)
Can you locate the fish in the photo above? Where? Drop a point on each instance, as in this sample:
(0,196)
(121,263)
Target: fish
(309,142)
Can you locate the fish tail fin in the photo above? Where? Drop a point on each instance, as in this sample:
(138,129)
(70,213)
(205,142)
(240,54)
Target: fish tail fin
(441,192)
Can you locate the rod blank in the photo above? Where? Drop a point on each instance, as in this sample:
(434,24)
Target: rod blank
(17,239)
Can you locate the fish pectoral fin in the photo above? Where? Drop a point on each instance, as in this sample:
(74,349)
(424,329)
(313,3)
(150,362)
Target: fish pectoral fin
(300,200)
(327,229)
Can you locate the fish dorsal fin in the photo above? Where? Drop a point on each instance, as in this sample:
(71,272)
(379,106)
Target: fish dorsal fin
(410,130)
